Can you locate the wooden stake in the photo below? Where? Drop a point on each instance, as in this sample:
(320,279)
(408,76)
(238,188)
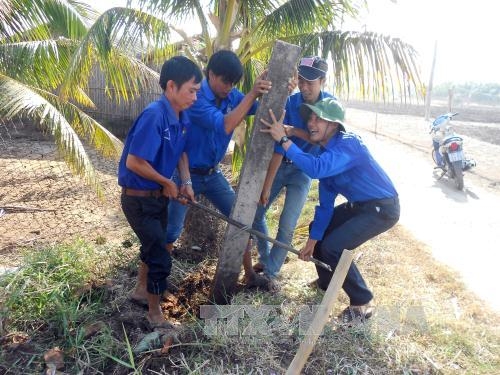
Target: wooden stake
(322,314)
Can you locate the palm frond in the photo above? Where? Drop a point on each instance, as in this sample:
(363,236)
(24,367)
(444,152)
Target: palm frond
(301,16)
(44,19)
(181,10)
(117,41)
(40,63)
(64,121)
(364,64)
(69,19)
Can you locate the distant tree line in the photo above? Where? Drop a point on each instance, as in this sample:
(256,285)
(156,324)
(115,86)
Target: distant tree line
(470,92)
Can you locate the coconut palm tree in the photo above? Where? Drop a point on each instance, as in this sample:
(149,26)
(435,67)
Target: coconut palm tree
(49,48)
(364,63)
(376,64)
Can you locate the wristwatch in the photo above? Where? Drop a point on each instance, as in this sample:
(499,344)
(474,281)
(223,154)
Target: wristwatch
(283,139)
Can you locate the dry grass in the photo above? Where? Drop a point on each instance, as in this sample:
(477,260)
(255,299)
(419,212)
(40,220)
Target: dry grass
(426,321)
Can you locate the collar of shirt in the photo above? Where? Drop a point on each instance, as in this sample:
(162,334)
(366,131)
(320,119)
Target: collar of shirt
(298,99)
(171,115)
(229,102)
(335,139)
(207,91)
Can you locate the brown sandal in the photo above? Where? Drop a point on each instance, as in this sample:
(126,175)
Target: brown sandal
(353,314)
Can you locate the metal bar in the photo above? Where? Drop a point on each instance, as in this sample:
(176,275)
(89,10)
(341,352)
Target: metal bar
(249,229)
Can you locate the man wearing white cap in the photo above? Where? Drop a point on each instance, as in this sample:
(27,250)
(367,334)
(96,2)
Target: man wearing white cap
(283,173)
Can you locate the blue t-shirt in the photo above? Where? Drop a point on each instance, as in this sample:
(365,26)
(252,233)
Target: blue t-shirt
(346,167)
(158,137)
(207,138)
(293,118)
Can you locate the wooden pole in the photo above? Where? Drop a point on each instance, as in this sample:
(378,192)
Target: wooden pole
(322,314)
(259,151)
(450,98)
(428,93)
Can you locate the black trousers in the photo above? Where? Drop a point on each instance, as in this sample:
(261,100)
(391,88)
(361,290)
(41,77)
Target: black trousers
(351,226)
(148,218)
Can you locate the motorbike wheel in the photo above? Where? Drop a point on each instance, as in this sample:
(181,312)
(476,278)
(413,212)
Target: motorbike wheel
(458,174)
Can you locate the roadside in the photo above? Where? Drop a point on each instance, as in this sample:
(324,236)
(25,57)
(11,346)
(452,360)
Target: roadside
(454,224)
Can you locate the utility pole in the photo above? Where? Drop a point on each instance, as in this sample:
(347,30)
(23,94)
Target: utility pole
(428,94)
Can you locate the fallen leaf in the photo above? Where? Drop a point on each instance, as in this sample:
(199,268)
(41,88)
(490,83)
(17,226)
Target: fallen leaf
(54,358)
(93,328)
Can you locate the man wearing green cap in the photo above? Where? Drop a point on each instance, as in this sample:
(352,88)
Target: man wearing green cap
(346,167)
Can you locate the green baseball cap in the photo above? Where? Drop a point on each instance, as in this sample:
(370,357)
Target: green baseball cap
(328,109)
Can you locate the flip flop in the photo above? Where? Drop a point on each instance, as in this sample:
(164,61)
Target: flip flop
(263,282)
(162,325)
(352,314)
(139,302)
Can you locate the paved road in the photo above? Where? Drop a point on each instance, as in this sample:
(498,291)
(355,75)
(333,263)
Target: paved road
(461,227)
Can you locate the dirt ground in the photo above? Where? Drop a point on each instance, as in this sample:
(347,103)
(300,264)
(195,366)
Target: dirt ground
(43,202)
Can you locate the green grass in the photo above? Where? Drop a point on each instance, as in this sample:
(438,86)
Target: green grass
(426,321)
(53,300)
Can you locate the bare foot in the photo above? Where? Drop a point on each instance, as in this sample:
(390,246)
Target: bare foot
(158,321)
(139,296)
(170,248)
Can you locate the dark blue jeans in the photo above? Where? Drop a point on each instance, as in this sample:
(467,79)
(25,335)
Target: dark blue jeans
(351,226)
(296,184)
(148,218)
(214,187)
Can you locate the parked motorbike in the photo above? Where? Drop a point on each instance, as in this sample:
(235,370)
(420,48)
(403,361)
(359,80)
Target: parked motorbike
(447,153)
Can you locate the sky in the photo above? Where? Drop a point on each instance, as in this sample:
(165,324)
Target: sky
(465,33)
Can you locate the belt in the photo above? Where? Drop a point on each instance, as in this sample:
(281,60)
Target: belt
(287,161)
(375,202)
(204,171)
(141,193)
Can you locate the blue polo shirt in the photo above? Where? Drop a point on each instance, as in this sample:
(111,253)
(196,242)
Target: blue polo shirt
(207,138)
(157,136)
(346,167)
(293,118)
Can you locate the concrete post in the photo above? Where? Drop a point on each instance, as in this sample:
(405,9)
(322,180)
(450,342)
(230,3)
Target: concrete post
(259,151)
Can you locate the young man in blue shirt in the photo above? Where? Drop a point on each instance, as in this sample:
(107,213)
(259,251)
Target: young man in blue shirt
(284,174)
(154,147)
(346,167)
(219,109)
